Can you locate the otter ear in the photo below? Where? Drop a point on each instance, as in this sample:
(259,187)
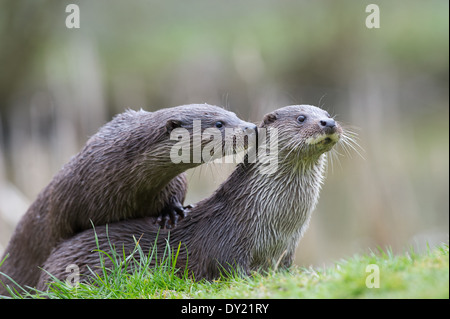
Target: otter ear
(172,124)
(270,118)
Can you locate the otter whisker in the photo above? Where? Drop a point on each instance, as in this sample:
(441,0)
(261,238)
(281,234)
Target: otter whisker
(349,141)
(334,157)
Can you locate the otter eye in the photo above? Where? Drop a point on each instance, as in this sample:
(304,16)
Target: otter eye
(219,124)
(301,118)
(328,114)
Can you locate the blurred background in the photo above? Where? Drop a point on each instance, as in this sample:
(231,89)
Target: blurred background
(59,85)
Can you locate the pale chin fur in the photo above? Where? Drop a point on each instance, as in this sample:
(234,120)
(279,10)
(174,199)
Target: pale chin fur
(313,140)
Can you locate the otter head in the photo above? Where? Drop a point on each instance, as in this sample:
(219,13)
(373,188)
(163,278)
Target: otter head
(304,131)
(207,132)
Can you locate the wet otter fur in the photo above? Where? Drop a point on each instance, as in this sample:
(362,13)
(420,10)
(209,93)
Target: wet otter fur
(123,172)
(253,220)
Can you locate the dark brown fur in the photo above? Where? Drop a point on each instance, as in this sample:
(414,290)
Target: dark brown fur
(123,172)
(252,221)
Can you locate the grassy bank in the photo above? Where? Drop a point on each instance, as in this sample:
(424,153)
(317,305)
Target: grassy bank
(409,275)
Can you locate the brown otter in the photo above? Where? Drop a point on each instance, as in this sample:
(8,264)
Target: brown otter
(125,171)
(252,221)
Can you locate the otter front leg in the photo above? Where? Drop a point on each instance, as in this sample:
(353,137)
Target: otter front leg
(171,214)
(172,197)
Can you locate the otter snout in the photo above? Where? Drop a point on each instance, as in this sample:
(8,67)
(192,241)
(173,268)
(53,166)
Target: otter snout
(328,126)
(250,128)
(328,123)
(250,131)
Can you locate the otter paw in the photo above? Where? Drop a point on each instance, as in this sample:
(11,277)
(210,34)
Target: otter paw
(170,216)
(163,220)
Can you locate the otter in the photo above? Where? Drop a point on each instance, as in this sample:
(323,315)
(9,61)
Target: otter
(124,171)
(253,221)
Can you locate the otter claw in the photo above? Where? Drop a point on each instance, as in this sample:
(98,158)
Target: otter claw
(170,216)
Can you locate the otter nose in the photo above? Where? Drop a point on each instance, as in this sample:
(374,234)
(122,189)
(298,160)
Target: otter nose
(250,128)
(328,123)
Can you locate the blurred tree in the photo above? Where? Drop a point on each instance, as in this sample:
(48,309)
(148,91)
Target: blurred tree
(24,30)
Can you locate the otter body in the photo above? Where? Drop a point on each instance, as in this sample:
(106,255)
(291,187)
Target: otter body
(252,221)
(123,172)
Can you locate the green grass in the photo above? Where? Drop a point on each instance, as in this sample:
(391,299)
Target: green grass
(406,276)
(409,275)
